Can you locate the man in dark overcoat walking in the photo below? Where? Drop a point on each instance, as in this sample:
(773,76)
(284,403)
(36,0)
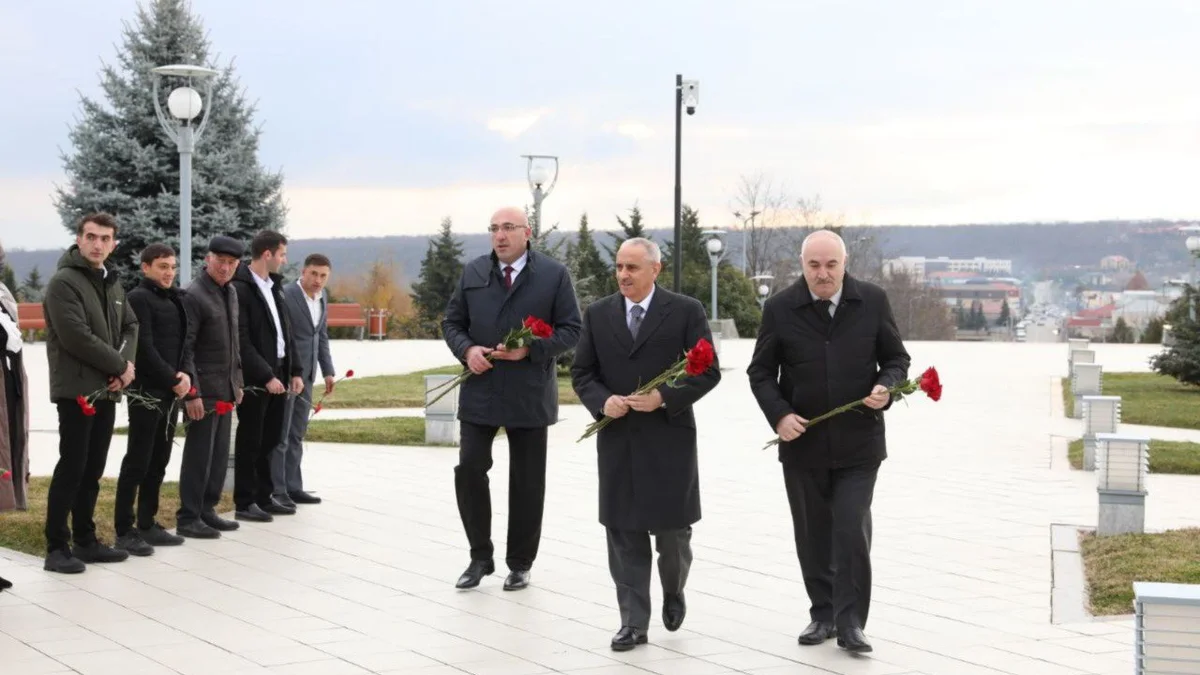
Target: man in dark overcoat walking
(514,389)
(827,340)
(647,463)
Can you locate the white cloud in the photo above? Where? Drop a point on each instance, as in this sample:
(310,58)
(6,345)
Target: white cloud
(636,130)
(512,125)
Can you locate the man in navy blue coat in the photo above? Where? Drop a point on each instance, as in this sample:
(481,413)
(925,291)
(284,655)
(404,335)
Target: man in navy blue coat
(516,389)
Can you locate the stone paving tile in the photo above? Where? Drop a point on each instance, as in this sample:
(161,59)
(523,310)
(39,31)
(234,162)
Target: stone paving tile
(363,582)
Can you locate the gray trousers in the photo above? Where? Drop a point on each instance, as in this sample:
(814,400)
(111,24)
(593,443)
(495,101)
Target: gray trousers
(285,458)
(629,561)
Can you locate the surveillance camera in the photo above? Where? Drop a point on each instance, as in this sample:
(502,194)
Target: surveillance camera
(691,110)
(691,95)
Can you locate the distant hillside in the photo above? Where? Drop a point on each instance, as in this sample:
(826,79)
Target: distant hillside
(1034,248)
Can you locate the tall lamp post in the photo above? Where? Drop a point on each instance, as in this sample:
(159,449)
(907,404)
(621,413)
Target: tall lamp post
(1193,247)
(184,103)
(715,248)
(687,95)
(745,241)
(540,170)
(764,287)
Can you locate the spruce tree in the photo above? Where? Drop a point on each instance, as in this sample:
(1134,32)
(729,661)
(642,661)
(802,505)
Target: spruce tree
(629,229)
(592,275)
(9,279)
(1005,314)
(440,272)
(124,163)
(31,289)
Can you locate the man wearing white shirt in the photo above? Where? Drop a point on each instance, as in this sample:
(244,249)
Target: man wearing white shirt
(268,360)
(306,302)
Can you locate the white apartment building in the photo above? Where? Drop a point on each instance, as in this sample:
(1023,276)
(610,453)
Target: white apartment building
(918,268)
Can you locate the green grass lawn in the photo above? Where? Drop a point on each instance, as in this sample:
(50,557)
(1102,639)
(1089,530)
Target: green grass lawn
(24,530)
(1148,398)
(404,391)
(1112,564)
(1165,456)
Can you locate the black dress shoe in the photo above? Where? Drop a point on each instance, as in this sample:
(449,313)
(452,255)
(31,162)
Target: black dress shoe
(475,572)
(61,561)
(852,640)
(197,529)
(302,497)
(218,523)
(275,508)
(674,609)
(284,501)
(132,542)
(816,633)
(97,552)
(254,514)
(155,535)
(627,638)
(516,580)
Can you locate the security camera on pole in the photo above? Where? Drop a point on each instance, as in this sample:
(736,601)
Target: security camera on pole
(687,95)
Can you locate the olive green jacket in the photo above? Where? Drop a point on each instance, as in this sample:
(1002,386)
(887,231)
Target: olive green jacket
(90,330)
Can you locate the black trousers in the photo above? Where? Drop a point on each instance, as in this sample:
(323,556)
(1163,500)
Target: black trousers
(526,491)
(831,516)
(203,467)
(151,435)
(260,429)
(82,452)
(629,562)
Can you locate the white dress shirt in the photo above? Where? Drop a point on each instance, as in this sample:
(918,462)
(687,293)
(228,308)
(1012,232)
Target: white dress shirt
(314,304)
(835,300)
(264,287)
(644,304)
(517,265)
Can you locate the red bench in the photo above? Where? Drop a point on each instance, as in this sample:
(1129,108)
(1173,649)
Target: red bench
(346,315)
(30,316)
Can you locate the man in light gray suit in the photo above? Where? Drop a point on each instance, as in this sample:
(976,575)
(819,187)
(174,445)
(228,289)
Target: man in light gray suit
(306,302)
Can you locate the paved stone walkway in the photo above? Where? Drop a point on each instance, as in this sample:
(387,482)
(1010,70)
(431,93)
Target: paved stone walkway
(363,583)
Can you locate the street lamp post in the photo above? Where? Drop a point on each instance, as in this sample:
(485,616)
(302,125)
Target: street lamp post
(764,287)
(687,94)
(745,241)
(1193,247)
(715,248)
(540,170)
(184,103)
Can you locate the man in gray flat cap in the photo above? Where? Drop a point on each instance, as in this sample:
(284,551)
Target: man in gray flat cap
(215,366)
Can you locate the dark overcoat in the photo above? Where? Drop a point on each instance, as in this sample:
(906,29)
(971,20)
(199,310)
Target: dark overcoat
(647,461)
(808,364)
(517,394)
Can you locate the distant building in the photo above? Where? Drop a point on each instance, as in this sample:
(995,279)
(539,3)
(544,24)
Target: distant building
(991,296)
(919,268)
(1115,262)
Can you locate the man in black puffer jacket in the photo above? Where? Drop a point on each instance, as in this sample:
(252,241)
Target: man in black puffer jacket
(162,324)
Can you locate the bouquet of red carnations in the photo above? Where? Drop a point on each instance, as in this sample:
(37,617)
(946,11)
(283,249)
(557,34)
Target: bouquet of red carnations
(532,329)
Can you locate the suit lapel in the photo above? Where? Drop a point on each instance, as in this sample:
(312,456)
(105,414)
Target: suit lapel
(660,307)
(849,310)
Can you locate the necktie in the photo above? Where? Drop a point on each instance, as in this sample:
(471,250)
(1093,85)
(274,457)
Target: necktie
(825,307)
(508,270)
(635,319)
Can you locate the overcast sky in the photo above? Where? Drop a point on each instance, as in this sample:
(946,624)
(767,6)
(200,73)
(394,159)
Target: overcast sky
(387,116)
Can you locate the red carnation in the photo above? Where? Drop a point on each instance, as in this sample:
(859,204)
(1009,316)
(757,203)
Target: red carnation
(349,373)
(317,409)
(88,409)
(931,384)
(192,391)
(700,357)
(539,328)
(7,475)
(223,407)
(83,403)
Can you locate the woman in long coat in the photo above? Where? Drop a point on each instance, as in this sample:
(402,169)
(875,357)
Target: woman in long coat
(14,411)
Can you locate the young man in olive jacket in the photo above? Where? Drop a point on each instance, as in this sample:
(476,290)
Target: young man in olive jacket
(162,325)
(516,390)
(91,340)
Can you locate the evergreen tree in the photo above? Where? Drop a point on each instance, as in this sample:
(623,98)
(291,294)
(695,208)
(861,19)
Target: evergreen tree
(1154,332)
(124,163)
(1182,359)
(539,240)
(1122,331)
(1005,315)
(9,279)
(591,274)
(31,289)
(440,271)
(629,229)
